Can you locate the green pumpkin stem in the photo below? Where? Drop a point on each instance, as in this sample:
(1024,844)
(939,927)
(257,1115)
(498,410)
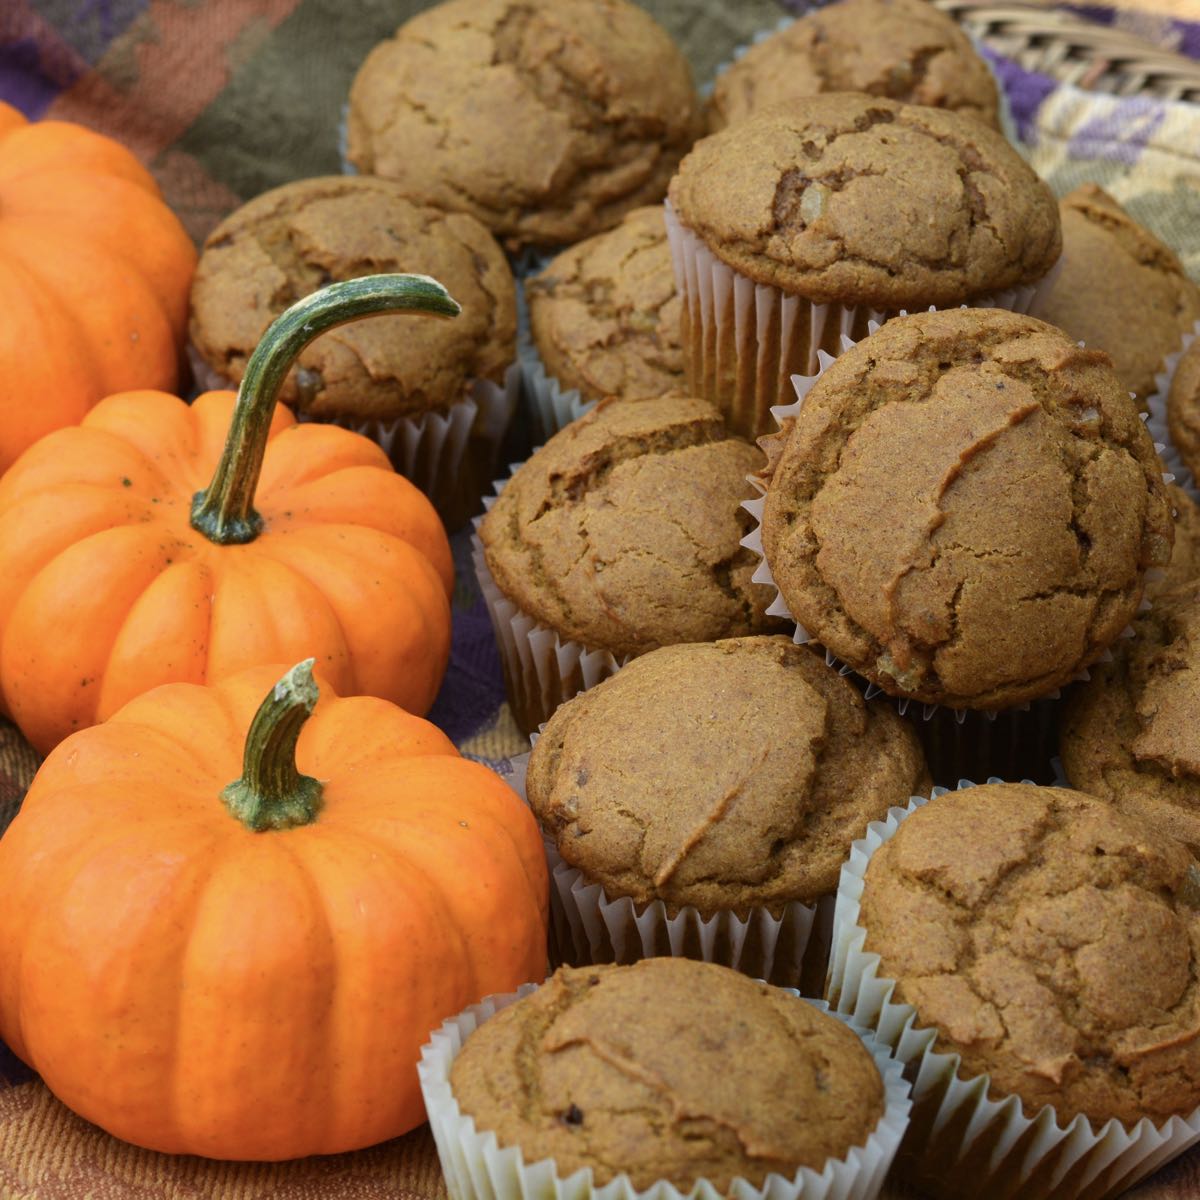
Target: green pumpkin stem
(272,794)
(224,511)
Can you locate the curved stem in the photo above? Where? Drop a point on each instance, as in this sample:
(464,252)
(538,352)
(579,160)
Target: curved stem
(272,794)
(224,511)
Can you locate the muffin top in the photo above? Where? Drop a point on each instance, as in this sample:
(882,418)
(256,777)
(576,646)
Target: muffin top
(730,775)
(605,313)
(1052,942)
(1185,553)
(288,242)
(669,1069)
(1183,408)
(1120,289)
(548,120)
(862,200)
(903,49)
(623,531)
(965,507)
(1130,734)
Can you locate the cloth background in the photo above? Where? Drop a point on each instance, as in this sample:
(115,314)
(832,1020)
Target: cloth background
(223,99)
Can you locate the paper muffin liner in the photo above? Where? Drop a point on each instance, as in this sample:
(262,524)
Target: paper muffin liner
(541,669)
(743,340)
(587,926)
(548,406)
(476,1167)
(451,456)
(961,1141)
(1157,421)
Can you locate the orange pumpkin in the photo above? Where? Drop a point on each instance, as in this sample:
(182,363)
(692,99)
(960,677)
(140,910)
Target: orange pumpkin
(94,277)
(117,576)
(249,971)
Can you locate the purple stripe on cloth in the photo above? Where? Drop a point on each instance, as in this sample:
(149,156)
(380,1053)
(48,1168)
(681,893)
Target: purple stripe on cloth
(1026,92)
(23,83)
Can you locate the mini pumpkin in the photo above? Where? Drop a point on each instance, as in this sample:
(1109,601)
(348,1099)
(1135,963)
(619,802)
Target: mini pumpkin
(247,970)
(117,576)
(94,277)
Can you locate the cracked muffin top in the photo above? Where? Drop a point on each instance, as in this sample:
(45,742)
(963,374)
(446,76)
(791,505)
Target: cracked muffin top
(857,199)
(1183,408)
(548,120)
(1120,289)
(903,49)
(669,1070)
(288,242)
(965,507)
(605,313)
(732,775)
(624,530)
(1052,942)
(1130,734)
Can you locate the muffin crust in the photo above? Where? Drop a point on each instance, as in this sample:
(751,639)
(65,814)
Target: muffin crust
(965,507)
(1183,408)
(669,1069)
(1052,942)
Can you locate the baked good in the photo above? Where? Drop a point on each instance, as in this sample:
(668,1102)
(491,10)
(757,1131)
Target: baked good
(795,228)
(725,776)
(964,508)
(294,239)
(1185,552)
(1052,942)
(1120,289)
(903,49)
(669,1070)
(1183,408)
(623,532)
(604,314)
(548,120)
(1130,734)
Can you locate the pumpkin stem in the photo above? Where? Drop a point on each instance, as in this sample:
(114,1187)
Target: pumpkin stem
(272,794)
(224,511)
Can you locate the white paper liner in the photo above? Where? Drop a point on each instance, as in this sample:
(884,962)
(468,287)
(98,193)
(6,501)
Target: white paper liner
(1157,422)
(477,1168)
(743,340)
(548,405)
(541,670)
(959,1137)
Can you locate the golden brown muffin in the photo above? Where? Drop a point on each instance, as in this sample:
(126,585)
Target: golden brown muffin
(1120,289)
(1052,942)
(1183,408)
(726,776)
(669,1070)
(548,120)
(623,531)
(861,200)
(903,49)
(1131,734)
(288,242)
(1185,553)
(965,508)
(605,313)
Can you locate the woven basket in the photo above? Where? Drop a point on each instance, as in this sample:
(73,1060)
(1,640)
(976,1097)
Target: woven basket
(1074,50)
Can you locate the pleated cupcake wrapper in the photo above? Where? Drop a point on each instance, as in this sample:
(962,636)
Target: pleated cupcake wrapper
(548,405)
(476,1167)
(743,340)
(1157,421)
(541,669)
(1010,742)
(961,1142)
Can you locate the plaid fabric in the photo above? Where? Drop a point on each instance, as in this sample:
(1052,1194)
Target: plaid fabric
(225,98)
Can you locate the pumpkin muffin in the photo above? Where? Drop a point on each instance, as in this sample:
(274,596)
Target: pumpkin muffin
(903,49)
(964,508)
(1185,553)
(548,120)
(1130,734)
(605,314)
(732,775)
(1183,408)
(1052,942)
(288,242)
(1120,289)
(847,208)
(669,1070)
